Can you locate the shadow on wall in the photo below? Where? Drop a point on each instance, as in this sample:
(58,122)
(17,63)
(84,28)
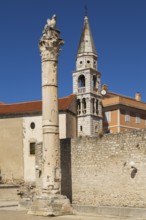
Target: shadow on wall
(66,178)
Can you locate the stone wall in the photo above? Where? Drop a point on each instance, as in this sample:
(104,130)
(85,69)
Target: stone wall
(11,150)
(66,177)
(71,125)
(108,170)
(30,136)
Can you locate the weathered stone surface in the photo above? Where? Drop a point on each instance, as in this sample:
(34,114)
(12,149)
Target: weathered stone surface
(50,205)
(66,171)
(47,200)
(101,169)
(49,48)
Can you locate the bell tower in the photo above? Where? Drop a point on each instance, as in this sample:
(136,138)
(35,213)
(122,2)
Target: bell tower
(86,85)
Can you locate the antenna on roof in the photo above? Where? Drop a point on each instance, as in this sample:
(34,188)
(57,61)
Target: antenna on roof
(86,10)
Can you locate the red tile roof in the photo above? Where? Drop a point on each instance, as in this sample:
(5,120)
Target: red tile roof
(35,106)
(65,102)
(113,94)
(114,99)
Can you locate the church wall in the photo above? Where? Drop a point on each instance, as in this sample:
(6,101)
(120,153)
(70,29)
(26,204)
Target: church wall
(30,135)
(71,125)
(67,128)
(62,125)
(110,170)
(11,149)
(35,136)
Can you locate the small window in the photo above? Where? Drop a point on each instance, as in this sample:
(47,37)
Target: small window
(32,125)
(81,62)
(32,148)
(138,119)
(81,128)
(127,116)
(88,61)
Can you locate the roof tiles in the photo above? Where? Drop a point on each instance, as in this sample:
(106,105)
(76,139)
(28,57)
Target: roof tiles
(35,106)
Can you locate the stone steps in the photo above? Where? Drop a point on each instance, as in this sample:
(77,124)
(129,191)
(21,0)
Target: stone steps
(8,196)
(8,203)
(117,212)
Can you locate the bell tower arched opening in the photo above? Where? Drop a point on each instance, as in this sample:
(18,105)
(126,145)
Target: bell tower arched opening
(81,84)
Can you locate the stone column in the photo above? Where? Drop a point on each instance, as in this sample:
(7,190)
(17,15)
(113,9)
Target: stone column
(48,201)
(49,48)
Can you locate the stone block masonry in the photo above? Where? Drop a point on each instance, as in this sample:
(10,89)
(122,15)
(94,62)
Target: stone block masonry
(105,171)
(110,170)
(66,175)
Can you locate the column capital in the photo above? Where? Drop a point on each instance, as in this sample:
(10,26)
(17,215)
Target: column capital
(50,42)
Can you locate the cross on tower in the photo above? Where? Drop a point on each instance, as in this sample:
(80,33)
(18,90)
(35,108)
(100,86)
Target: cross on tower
(86,10)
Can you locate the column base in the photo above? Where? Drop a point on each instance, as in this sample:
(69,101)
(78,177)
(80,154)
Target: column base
(50,205)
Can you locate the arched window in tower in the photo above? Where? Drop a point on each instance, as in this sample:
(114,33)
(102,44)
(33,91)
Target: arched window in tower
(93,105)
(84,106)
(94,83)
(96,106)
(81,84)
(78,107)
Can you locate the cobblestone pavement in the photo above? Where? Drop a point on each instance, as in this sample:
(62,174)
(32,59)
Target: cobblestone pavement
(21,215)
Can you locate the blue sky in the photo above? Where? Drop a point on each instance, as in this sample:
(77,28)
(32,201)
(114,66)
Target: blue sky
(119,32)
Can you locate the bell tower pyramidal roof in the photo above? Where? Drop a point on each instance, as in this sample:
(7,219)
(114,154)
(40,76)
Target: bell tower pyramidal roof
(86,44)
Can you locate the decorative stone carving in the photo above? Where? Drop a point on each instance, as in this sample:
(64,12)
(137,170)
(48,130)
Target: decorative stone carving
(50,42)
(52,22)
